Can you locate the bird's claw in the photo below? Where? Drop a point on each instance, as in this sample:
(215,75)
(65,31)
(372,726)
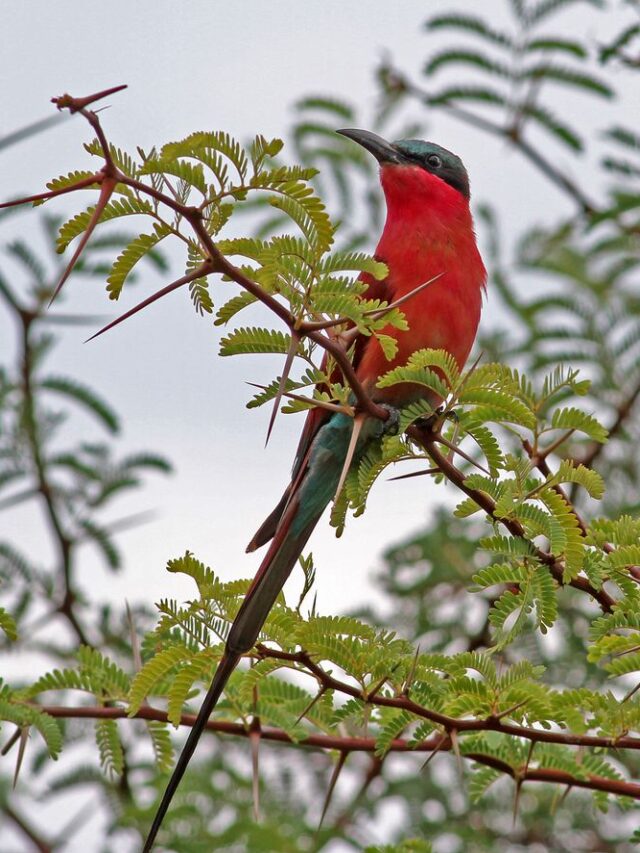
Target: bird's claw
(392,424)
(428,423)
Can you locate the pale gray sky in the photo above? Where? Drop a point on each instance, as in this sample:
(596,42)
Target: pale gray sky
(238,67)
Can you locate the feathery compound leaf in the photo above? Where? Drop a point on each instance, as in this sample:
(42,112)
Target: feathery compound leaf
(487,443)
(153,671)
(569,76)
(183,683)
(114,210)
(137,249)
(545,118)
(69,180)
(498,406)
(557,45)
(193,568)
(122,160)
(109,747)
(480,94)
(460,56)
(590,480)
(470,24)
(191,173)
(24,716)
(227,311)
(300,204)
(8,625)
(573,550)
(162,745)
(85,397)
(255,340)
(571,418)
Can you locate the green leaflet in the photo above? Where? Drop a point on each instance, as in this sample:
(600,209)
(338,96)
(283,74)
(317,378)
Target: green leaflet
(8,625)
(114,210)
(137,249)
(254,340)
(109,747)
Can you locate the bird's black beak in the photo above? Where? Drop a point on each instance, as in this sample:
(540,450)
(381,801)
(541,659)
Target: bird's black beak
(383,151)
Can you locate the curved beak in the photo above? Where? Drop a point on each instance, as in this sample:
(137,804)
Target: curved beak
(383,151)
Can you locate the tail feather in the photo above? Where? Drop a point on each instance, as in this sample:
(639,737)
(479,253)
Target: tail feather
(267,529)
(226,666)
(291,524)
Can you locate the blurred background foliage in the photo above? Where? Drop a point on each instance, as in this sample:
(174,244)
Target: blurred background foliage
(567,293)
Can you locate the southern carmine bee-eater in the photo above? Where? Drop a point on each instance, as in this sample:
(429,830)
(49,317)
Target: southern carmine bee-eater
(428,236)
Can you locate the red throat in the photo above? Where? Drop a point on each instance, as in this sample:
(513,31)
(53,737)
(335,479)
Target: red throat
(428,232)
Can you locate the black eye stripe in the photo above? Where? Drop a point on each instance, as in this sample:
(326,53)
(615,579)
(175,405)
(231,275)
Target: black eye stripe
(434,161)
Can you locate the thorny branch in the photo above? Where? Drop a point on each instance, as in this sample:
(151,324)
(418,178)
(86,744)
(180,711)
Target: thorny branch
(431,744)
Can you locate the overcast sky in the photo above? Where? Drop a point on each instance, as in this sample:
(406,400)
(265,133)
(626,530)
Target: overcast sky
(238,67)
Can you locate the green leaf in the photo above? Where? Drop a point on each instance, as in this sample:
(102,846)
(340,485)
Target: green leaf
(153,671)
(470,24)
(85,397)
(254,340)
(114,210)
(571,418)
(569,76)
(545,118)
(238,303)
(70,180)
(101,537)
(8,625)
(109,747)
(137,249)
(162,745)
(555,45)
(458,56)
(191,173)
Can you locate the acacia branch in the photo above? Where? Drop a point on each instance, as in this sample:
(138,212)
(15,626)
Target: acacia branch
(492,723)
(428,440)
(433,744)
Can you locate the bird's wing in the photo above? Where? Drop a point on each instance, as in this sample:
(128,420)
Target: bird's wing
(315,419)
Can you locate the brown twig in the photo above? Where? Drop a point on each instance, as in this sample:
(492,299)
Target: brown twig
(369,744)
(27,830)
(454,475)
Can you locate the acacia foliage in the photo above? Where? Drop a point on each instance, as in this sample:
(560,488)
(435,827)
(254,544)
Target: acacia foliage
(530,540)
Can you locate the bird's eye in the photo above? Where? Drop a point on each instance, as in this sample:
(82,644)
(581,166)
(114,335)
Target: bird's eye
(434,161)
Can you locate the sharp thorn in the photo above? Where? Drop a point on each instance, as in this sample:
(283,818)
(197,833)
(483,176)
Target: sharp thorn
(106,191)
(254,740)
(24,737)
(332,784)
(293,346)
(414,474)
(358,423)
(149,301)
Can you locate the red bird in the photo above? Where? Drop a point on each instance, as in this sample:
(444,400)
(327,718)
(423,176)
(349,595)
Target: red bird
(428,234)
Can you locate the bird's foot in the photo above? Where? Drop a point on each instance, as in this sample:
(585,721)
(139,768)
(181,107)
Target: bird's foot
(429,423)
(392,423)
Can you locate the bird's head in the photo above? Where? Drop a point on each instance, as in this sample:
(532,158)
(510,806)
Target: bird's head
(414,166)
